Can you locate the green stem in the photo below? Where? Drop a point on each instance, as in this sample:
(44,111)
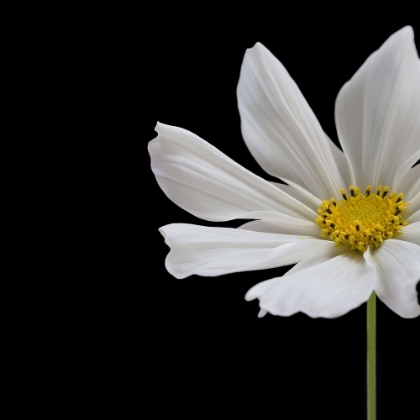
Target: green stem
(371,357)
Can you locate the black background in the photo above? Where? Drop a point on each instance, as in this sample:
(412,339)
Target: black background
(92,325)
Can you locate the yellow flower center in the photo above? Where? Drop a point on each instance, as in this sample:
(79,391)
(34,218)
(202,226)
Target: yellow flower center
(361,220)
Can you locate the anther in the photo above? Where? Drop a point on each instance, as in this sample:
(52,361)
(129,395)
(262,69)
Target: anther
(386,189)
(379,190)
(400,197)
(368,190)
(343,193)
(352,190)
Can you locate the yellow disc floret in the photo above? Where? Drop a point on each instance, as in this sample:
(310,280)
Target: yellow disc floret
(360,220)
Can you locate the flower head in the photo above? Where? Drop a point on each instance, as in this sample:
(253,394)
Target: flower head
(349,221)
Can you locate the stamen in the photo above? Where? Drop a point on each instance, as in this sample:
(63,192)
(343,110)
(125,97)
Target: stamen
(362,219)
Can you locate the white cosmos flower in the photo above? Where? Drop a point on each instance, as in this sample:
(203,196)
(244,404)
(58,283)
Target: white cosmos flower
(344,246)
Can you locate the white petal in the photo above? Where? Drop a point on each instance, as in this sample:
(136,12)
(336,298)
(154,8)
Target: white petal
(398,269)
(338,284)
(410,233)
(301,195)
(277,226)
(280,129)
(208,251)
(377,112)
(342,164)
(404,170)
(262,313)
(410,185)
(317,259)
(412,209)
(202,180)
(414,216)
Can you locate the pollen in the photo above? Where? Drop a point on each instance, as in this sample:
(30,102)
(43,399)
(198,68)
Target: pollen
(360,220)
